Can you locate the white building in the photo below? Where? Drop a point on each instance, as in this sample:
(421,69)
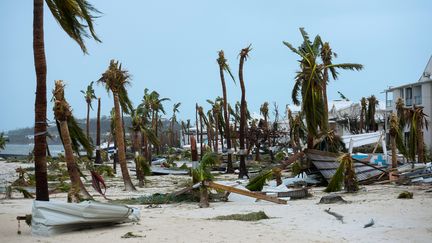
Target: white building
(417,93)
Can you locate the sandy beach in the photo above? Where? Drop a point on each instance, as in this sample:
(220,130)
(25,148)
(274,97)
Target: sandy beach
(304,220)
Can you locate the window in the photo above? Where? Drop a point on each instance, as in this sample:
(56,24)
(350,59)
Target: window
(417,95)
(408,96)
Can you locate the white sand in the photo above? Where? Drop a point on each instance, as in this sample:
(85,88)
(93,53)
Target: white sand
(396,220)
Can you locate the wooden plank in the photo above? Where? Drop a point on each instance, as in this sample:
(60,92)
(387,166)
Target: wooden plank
(244,192)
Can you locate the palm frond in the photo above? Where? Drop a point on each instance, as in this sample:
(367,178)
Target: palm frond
(75,16)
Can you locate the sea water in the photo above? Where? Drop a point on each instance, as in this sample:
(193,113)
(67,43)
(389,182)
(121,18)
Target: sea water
(26,149)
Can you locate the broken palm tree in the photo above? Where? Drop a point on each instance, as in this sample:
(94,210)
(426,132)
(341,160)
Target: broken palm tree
(344,174)
(202,174)
(63,115)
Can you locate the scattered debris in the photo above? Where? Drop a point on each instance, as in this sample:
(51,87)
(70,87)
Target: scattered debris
(157,198)
(332,198)
(254,216)
(369,224)
(130,235)
(336,215)
(405,195)
(27,218)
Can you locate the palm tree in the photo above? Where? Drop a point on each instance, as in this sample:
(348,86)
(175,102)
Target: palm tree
(326,56)
(155,105)
(308,83)
(416,121)
(63,115)
(70,15)
(243,57)
(363,104)
(115,79)
(264,111)
(394,133)
(174,121)
(223,67)
(89,95)
(372,104)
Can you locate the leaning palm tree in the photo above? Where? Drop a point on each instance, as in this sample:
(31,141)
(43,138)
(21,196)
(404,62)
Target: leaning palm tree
(115,80)
(63,115)
(223,67)
(89,95)
(74,16)
(326,56)
(244,54)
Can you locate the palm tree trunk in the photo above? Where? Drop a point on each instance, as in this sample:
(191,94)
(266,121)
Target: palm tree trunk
(40,127)
(230,168)
(201,137)
(420,142)
(88,121)
(325,124)
(70,161)
(243,170)
(216,147)
(121,146)
(393,149)
(98,159)
(137,152)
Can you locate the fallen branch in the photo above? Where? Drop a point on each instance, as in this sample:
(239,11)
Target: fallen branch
(336,215)
(244,192)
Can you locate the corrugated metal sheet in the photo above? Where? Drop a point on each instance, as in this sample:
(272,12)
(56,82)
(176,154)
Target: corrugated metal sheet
(327,165)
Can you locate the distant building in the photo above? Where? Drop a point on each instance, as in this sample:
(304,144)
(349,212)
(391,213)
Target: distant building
(417,93)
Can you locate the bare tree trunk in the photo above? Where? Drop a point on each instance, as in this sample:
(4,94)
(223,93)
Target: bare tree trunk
(324,92)
(216,147)
(121,146)
(243,169)
(201,137)
(88,122)
(98,159)
(393,149)
(230,168)
(70,162)
(40,128)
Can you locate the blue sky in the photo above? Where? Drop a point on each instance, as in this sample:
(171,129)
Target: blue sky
(171,47)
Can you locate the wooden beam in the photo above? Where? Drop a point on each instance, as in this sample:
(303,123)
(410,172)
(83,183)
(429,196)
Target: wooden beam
(244,192)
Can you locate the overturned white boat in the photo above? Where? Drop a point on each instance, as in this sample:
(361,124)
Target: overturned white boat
(53,217)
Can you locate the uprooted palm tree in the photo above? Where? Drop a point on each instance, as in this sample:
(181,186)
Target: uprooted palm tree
(89,95)
(223,67)
(74,16)
(115,80)
(345,174)
(244,54)
(63,116)
(203,174)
